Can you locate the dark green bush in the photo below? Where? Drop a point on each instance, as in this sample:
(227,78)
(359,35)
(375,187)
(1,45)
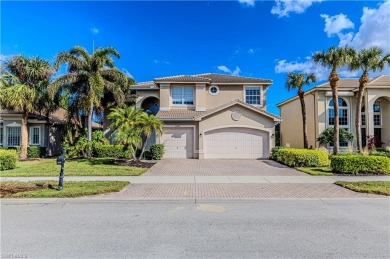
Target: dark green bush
(358,164)
(147,155)
(302,157)
(109,151)
(157,151)
(274,153)
(36,152)
(7,159)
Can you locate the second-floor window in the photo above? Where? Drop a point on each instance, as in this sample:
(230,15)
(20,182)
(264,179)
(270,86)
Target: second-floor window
(252,95)
(182,95)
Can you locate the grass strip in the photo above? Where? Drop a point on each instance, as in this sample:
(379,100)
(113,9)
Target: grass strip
(373,187)
(48,189)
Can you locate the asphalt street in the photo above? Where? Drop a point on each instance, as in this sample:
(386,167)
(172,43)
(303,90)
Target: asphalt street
(290,228)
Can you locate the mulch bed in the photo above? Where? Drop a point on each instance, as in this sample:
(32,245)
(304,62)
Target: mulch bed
(15,187)
(131,162)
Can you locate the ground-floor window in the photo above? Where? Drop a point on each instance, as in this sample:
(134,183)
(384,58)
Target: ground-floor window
(1,136)
(13,136)
(35,135)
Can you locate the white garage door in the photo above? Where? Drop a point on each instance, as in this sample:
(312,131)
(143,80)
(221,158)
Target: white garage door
(236,143)
(178,142)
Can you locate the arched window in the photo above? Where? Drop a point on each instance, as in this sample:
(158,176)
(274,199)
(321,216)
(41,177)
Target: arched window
(343,113)
(343,116)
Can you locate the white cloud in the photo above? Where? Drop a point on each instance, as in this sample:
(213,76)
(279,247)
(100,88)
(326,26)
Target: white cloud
(156,61)
(225,69)
(308,66)
(94,30)
(247,2)
(374,29)
(127,73)
(251,51)
(335,24)
(284,7)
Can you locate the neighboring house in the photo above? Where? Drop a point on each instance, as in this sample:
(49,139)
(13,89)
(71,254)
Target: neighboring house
(210,115)
(42,131)
(320,112)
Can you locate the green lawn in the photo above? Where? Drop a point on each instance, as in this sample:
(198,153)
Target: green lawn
(48,189)
(78,167)
(375,187)
(322,171)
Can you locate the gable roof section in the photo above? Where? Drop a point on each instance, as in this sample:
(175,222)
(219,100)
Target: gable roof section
(144,86)
(241,103)
(383,80)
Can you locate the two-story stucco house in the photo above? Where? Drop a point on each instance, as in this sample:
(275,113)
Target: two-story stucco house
(320,112)
(210,115)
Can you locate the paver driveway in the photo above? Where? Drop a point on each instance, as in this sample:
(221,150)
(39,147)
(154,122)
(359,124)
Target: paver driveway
(214,167)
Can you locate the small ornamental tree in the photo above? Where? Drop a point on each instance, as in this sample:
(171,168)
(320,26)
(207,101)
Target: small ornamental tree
(326,137)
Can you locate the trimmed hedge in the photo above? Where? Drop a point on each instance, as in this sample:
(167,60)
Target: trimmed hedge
(157,151)
(36,152)
(109,151)
(7,159)
(358,164)
(294,157)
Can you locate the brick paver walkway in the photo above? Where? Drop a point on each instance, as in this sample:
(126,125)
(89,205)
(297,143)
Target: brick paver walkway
(211,167)
(234,191)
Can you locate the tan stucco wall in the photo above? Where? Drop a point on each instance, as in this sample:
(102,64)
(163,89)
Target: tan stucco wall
(227,93)
(143,94)
(200,97)
(291,127)
(165,97)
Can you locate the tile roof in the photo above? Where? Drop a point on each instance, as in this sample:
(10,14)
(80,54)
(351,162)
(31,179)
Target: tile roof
(183,78)
(145,85)
(383,80)
(237,101)
(208,78)
(178,114)
(221,79)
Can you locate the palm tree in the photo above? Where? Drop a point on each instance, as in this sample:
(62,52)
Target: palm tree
(298,81)
(124,117)
(334,58)
(23,88)
(130,138)
(371,59)
(148,125)
(88,77)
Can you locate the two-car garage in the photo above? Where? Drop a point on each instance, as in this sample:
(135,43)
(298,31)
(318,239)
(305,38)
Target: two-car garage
(224,143)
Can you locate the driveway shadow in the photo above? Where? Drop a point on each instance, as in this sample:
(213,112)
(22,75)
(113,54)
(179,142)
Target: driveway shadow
(274,164)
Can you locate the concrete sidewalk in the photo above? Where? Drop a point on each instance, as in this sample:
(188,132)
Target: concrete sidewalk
(208,179)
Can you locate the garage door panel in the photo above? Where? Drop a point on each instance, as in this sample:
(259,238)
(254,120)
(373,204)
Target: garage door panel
(236,143)
(178,142)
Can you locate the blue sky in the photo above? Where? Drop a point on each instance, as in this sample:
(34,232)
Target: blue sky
(264,39)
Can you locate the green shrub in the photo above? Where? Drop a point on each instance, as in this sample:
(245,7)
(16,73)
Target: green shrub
(36,152)
(380,152)
(157,151)
(7,159)
(109,151)
(274,153)
(358,164)
(147,155)
(302,157)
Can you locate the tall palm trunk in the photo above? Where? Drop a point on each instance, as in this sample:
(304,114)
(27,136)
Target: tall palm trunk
(24,140)
(144,142)
(333,81)
(303,108)
(362,86)
(90,124)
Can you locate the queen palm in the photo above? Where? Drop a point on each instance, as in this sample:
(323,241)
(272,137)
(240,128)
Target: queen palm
(124,117)
(334,58)
(371,59)
(88,77)
(298,81)
(23,88)
(148,125)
